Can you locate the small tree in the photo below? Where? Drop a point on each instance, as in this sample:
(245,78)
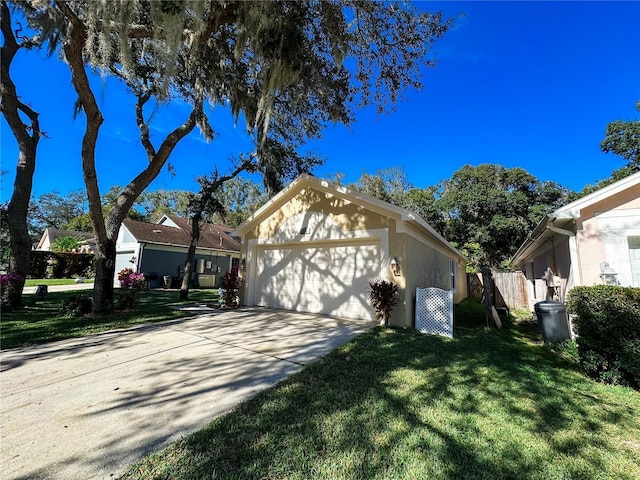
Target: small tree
(66,244)
(383,296)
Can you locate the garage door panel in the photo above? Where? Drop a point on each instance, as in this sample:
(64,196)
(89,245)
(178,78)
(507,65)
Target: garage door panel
(329,279)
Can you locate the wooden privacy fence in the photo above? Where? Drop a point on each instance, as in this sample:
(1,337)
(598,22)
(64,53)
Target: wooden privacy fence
(509,289)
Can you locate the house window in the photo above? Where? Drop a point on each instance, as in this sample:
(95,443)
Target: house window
(634,259)
(452,266)
(235,264)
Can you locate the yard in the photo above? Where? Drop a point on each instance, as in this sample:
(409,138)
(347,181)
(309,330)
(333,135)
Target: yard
(396,404)
(32,282)
(44,320)
(393,404)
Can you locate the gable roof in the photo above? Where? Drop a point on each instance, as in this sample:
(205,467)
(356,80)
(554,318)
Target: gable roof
(357,198)
(54,234)
(556,221)
(572,210)
(213,237)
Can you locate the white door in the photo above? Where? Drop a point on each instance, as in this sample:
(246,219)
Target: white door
(333,279)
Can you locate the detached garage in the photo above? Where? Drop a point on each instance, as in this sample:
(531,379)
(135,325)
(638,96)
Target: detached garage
(315,248)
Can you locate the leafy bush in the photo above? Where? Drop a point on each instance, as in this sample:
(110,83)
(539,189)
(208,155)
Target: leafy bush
(66,265)
(130,283)
(607,322)
(383,296)
(9,282)
(229,286)
(76,306)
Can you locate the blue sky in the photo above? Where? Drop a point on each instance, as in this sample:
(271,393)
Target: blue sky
(522,84)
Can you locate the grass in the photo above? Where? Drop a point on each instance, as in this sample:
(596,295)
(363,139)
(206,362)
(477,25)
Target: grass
(395,404)
(32,282)
(43,321)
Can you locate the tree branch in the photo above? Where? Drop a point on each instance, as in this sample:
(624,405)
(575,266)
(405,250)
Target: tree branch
(142,99)
(156,161)
(73,49)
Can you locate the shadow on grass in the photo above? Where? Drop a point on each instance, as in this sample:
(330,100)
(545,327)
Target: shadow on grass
(43,321)
(396,404)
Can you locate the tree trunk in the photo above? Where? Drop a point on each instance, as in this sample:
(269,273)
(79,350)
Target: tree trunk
(105,273)
(27,137)
(191,257)
(106,229)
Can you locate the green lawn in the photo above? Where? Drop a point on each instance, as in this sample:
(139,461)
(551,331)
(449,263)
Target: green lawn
(393,404)
(43,321)
(32,282)
(399,405)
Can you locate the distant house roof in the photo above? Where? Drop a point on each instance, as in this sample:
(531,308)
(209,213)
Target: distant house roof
(53,234)
(172,230)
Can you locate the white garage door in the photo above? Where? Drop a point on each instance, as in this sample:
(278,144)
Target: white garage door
(122,261)
(332,280)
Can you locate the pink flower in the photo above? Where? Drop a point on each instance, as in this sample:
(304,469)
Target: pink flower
(130,280)
(9,277)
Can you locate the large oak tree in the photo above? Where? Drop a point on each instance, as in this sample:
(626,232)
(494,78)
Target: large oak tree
(330,56)
(487,211)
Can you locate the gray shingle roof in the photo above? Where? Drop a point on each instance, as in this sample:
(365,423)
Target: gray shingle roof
(214,237)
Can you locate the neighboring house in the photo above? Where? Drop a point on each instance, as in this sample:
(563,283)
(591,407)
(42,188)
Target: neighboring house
(593,240)
(161,249)
(50,235)
(315,248)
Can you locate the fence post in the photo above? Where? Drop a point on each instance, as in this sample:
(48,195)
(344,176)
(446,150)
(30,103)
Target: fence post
(493,319)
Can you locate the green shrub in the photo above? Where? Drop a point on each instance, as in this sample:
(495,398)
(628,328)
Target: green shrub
(66,244)
(607,322)
(66,265)
(76,306)
(383,296)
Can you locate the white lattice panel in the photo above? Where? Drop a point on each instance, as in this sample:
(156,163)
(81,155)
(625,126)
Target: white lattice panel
(434,311)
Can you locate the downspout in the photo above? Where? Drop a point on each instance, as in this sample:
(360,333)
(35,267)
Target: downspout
(573,255)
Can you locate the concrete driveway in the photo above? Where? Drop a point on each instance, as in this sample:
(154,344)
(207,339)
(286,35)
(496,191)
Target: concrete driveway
(91,407)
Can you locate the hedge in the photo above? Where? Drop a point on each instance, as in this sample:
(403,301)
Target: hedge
(607,322)
(68,265)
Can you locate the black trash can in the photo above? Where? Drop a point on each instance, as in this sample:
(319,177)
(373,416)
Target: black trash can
(554,324)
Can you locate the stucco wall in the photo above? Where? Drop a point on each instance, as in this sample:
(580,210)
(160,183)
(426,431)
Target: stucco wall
(345,214)
(323,217)
(422,262)
(424,266)
(603,231)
